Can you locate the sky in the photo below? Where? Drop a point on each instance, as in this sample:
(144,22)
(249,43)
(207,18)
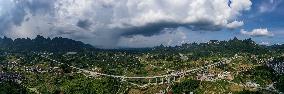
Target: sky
(144,23)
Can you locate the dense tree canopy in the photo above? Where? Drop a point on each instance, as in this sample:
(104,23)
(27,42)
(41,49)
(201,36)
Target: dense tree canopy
(186,86)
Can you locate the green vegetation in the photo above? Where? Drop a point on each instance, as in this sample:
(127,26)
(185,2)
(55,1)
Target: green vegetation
(248,68)
(186,86)
(280,84)
(8,87)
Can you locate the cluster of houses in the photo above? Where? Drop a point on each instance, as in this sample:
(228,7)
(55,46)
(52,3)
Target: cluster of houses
(223,76)
(9,76)
(252,84)
(213,77)
(277,66)
(34,69)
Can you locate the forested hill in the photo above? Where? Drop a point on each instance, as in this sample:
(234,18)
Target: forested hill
(43,44)
(215,47)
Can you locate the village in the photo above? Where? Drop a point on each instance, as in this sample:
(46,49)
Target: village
(202,73)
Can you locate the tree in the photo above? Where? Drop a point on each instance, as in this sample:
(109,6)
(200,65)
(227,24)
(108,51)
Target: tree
(66,68)
(186,86)
(280,84)
(9,87)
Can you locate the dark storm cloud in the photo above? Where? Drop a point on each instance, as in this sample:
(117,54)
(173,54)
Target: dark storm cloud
(40,6)
(85,24)
(15,16)
(18,15)
(204,26)
(4,24)
(149,29)
(157,28)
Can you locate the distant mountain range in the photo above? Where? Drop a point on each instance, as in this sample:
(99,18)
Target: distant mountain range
(43,44)
(59,44)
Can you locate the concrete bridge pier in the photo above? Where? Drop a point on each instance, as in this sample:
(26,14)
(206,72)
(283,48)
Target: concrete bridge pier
(156,80)
(122,79)
(183,74)
(179,78)
(169,80)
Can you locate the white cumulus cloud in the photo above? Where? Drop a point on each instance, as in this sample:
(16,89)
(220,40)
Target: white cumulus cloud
(257,32)
(235,24)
